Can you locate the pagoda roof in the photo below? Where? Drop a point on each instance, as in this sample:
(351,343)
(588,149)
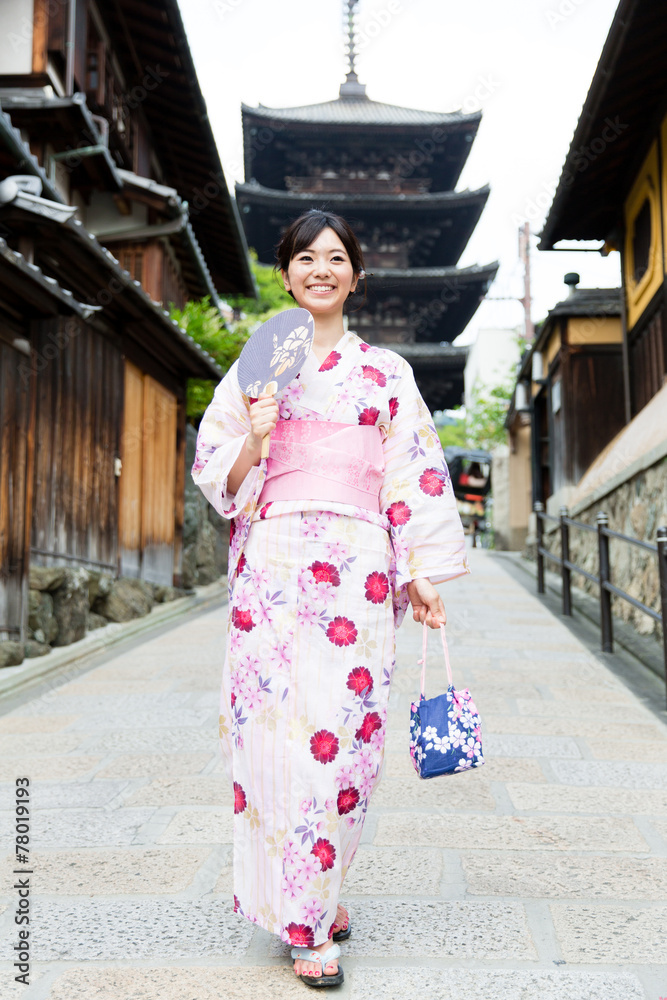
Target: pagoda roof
(363,111)
(434,276)
(427,201)
(621,113)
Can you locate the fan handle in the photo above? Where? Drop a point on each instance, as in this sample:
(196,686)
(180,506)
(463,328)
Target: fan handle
(271,389)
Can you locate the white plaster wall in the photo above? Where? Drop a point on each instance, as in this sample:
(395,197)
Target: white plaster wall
(16,36)
(491,358)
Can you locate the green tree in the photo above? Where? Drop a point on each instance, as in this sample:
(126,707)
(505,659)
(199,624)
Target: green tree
(485,417)
(454,434)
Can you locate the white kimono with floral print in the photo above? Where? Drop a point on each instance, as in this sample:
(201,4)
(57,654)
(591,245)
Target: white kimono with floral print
(316,591)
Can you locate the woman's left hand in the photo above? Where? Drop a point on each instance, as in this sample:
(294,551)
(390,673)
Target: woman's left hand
(426,603)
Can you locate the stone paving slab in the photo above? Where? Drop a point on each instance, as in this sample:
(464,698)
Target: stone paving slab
(531,746)
(167,765)
(36,724)
(411,793)
(131,930)
(555,833)
(585,728)
(156,740)
(644,750)
(56,768)
(569,799)
(623,774)
(55,795)
(39,744)
(133,871)
(616,934)
(192,791)
(541,875)
(181,983)
(494,769)
(88,827)
(497,931)
(632,712)
(178,718)
(498,984)
(192,827)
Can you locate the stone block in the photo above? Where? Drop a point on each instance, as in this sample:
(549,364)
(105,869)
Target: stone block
(41,618)
(530,746)
(70,607)
(33,744)
(617,935)
(213,791)
(494,833)
(619,774)
(89,827)
(126,720)
(94,621)
(572,799)
(33,648)
(642,749)
(133,871)
(179,983)
(394,871)
(395,983)
(73,794)
(46,577)
(130,930)
(99,586)
(127,599)
(11,653)
(189,826)
(631,712)
(157,740)
(441,796)
(49,768)
(449,929)
(167,765)
(17,723)
(545,875)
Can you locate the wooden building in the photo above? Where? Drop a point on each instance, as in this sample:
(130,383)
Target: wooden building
(392,173)
(105,149)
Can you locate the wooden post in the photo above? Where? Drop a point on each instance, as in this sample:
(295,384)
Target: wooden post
(565,557)
(606,624)
(539,528)
(662,570)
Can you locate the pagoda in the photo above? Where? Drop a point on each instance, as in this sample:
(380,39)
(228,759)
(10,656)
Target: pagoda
(391,172)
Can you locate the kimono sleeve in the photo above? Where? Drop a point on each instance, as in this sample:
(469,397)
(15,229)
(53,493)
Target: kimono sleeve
(222,434)
(417,495)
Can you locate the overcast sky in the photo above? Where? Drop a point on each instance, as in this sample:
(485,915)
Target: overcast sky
(527,64)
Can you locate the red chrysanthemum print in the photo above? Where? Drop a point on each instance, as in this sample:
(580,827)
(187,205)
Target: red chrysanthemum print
(374,375)
(330,362)
(300,935)
(393,407)
(377,587)
(399,513)
(370,723)
(325,573)
(237,904)
(347,800)
(369,416)
(432,482)
(360,681)
(242,620)
(240,800)
(233,699)
(341,631)
(324,746)
(264,509)
(252,399)
(241,565)
(325,852)
(232,529)
(364,347)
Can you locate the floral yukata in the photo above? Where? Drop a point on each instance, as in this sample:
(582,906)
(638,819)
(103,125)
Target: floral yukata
(316,590)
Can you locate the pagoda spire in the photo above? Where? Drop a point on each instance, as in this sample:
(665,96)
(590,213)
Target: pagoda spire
(351,89)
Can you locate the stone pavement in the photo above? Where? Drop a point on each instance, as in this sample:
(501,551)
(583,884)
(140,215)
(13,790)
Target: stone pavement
(541,876)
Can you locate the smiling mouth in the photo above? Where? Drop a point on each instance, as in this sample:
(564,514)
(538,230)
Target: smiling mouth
(320,288)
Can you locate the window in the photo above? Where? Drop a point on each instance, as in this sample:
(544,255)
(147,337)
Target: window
(641,241)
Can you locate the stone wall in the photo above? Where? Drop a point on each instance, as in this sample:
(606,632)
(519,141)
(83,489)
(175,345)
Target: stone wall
(638,507)
(205,532)
(65,603)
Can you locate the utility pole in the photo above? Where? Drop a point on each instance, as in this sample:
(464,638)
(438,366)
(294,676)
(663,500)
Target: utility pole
(524,254)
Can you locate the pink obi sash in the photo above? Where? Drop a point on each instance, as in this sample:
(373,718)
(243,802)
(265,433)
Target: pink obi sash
(319,460)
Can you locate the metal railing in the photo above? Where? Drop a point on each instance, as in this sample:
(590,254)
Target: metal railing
(603,577)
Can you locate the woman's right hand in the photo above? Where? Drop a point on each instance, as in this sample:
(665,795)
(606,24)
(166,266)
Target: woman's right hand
(263,419)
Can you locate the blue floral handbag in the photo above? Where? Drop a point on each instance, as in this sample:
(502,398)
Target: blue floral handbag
(445,731)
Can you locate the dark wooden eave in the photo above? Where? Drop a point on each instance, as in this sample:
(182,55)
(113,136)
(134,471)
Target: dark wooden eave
(625,103)
(153,34)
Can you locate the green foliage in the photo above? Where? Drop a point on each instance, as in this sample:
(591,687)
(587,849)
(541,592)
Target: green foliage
(205,325)
(453,434)
(485,418)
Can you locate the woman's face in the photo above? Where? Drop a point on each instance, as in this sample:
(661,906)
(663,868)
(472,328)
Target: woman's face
(321,276)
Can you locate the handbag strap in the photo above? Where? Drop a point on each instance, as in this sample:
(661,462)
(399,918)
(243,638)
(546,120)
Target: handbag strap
(423,659)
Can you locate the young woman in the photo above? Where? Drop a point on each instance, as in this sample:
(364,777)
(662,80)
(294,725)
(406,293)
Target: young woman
(351,518)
